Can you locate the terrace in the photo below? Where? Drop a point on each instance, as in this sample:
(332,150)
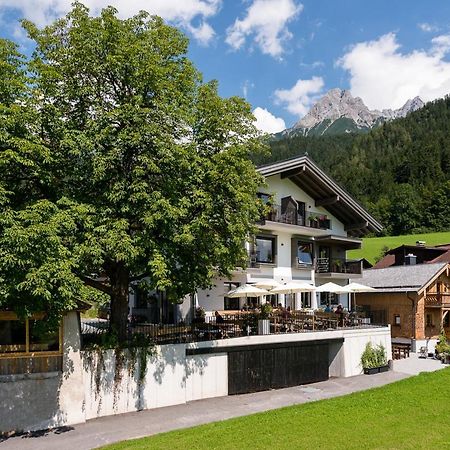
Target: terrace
(239,324)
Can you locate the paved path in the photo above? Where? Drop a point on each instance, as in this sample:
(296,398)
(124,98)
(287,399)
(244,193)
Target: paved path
(106,430)
(414,365)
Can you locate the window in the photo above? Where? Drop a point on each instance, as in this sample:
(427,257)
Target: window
(305,253)
(265,249)
(27,337)
(397,319)
(230,303)
(429,320)
(328,298)
(12,336)
(447,320)
(272,299)
(265,198)
(306,299)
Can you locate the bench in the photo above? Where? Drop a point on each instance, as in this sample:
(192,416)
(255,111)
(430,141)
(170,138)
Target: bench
(400,350)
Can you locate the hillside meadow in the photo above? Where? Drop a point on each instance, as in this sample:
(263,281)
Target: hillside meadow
(372,247)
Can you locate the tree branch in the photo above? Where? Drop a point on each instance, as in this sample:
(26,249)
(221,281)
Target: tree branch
(96,284)
(139,277)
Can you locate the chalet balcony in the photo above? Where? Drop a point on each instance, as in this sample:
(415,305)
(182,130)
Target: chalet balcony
(338,266)
(438,300)
(292,217)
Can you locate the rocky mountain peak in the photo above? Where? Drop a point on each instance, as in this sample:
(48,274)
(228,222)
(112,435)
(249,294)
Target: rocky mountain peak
(339,104)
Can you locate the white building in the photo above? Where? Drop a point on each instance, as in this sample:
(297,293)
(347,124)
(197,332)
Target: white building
(312,224)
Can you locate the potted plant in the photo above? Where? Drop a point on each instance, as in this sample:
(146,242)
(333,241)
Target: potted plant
(374,359)
(263,321)
(443,348)
(199,316)
(313,221)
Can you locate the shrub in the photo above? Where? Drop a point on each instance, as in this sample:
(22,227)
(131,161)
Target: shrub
(373,356)
(442,346)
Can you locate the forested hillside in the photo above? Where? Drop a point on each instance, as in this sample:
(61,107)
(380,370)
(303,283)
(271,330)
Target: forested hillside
(399,171)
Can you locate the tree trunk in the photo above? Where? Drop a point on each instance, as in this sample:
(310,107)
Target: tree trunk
(119,277)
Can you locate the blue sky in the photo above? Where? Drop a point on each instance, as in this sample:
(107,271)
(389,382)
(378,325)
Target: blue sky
(282,55)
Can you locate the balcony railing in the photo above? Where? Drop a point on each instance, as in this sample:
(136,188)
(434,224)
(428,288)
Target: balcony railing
(338,265)
(230,326)
(438,300)
(291,217)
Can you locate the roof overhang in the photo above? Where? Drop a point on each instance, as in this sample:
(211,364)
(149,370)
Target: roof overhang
(348,243)
(326,192)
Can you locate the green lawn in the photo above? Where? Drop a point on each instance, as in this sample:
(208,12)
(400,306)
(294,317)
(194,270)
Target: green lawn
(371,247)
(410,414)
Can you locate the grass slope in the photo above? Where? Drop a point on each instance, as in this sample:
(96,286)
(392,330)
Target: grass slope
(371,247)
(409,414)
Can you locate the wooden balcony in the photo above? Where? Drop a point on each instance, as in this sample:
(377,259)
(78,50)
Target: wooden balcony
(338,266)
(293,217)
(438,300)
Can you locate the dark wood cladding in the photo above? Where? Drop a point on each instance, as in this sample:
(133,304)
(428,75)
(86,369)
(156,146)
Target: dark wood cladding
(30,364)
(260,369)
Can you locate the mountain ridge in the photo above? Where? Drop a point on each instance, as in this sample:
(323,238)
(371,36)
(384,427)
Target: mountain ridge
(339,112)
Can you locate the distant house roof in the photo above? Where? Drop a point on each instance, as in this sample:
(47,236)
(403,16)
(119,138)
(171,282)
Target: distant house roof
(402,278)
(386,261)
(326,192)
(425,255)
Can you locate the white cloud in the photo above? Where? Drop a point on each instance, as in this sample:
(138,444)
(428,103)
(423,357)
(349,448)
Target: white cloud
(246,86)
(427,27)
(384,77)
(181,13)
(299,99)
(267,21)
(267,122)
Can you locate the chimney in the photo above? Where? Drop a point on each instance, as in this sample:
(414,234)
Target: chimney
(410,259)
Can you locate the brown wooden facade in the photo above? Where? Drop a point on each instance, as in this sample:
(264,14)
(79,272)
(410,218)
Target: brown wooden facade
(415,314)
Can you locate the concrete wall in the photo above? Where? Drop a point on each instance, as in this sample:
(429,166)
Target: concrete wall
(38,401)
(93,386)
(171,379)
(345,360)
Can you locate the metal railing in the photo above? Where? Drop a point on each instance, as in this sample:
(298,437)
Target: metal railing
(338,265)
(292,217)
(228,326)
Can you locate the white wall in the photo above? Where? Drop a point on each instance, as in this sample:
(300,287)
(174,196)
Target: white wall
(281,188)
(45,400)
(91,386)
(171,379)
(346,361)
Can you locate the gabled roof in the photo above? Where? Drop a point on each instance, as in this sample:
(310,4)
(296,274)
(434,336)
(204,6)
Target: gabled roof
(425,255)
(326,192)
(402,278)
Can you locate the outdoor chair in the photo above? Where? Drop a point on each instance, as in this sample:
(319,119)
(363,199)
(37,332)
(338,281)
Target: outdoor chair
(423,352)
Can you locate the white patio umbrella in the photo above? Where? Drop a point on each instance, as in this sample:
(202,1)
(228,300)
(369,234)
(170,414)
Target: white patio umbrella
(358,287)
(247,290)
(332,288)
(293,287)
(267,284)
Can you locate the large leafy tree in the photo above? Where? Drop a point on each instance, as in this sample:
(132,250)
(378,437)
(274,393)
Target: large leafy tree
(128,166)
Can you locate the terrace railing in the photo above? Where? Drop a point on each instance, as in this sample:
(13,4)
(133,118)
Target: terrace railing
(438,300)
(292,217)
(338,265)
(231,326)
